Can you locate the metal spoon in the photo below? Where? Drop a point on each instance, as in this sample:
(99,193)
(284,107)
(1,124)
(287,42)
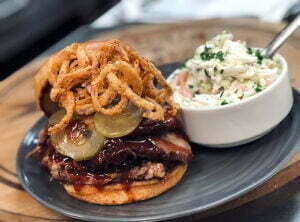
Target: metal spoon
(281,37)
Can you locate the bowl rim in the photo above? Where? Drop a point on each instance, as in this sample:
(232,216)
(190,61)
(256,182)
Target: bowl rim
(282,75)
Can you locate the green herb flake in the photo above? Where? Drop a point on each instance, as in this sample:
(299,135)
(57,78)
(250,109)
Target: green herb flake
(220,56)
(190,86)
(259,56)
(207,49)
(206,73)
(258,87)
(215,69)
(221,91)
(183,65)
(207,55)
(224,102)
(222,71)
(249,51)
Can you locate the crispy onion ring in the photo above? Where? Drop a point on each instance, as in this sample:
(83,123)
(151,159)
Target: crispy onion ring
(104,77)
(68,103)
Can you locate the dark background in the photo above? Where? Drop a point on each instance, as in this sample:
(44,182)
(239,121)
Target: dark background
(28,27)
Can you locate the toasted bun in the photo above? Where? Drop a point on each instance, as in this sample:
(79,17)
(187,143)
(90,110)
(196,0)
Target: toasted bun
(116,194)
(42,91)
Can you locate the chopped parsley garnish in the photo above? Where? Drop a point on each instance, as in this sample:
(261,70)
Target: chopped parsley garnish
(190,86)
(220,56)
(207,54)
(215,69)
(249,51)
(221,91)
(206,73)
(258,87)
(257,53)
(259,56)
(224,102)
(183,65)
(222,71)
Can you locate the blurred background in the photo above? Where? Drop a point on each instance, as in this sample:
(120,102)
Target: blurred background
(29,27)
(33,28)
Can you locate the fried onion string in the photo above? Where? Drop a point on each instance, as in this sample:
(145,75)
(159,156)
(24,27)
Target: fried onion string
(104,77)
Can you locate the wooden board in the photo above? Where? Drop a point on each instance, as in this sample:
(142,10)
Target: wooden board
(163,44)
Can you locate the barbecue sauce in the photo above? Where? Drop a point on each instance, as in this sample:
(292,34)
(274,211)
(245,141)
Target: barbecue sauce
(119,155)
(77,187)
(126,186)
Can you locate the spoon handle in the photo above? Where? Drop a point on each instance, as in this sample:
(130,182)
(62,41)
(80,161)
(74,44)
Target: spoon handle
(275,44)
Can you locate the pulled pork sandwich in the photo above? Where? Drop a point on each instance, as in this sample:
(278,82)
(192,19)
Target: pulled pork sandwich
(112,136)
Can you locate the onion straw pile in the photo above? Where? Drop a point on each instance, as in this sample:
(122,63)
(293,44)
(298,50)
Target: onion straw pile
(104,77)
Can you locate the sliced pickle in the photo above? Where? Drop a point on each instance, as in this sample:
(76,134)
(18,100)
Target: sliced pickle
(56,117)
(118,125)
(78,141)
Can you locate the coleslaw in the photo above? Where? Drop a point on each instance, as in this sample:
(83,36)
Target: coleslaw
(222,71)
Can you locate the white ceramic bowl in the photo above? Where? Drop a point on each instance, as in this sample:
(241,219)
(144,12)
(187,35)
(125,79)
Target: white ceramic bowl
(241,122)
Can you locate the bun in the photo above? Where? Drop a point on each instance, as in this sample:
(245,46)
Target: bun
(42,91)
(116,194)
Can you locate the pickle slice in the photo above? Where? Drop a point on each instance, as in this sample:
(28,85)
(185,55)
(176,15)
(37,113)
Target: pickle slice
(78,141)
(118,125)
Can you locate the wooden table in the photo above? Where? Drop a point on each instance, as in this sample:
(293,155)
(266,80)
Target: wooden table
(163,44)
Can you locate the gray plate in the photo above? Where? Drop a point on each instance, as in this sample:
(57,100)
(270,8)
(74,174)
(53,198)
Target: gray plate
(215,176)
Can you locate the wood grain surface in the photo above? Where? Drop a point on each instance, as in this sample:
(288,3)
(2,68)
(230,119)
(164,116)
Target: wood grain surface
(163,44)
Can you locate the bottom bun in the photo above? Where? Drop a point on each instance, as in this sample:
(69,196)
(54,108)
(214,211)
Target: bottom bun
(115,194)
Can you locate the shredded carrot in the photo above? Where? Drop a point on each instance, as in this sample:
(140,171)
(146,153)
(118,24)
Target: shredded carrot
(180,81)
